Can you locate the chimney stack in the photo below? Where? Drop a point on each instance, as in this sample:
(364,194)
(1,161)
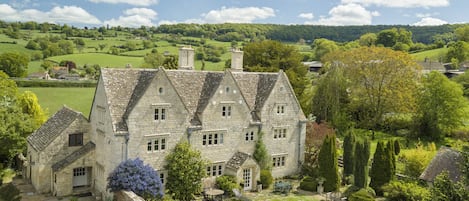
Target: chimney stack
(186,58)
(236,60)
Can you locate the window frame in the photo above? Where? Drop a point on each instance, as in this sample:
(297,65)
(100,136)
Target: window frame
(156,144)
(279,161)
(213,138)
(75,139)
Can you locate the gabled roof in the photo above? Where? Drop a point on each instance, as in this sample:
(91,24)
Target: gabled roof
(446,159)
(237,160)
(53,128)
(124,88)
(74,156)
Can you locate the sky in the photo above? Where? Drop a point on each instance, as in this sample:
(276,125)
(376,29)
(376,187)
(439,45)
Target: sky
(137,13)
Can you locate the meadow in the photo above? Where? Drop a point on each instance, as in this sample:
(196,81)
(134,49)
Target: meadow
(53,99)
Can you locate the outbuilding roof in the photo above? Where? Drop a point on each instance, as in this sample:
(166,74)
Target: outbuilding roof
(446,159)
(53,128)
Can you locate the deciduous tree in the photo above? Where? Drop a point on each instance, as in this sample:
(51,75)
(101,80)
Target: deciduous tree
(14,64)
(441,107)
(381,81)
(186,168)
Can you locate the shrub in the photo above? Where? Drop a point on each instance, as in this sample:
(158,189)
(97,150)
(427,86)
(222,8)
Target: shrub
(398,190)
(9,192)
(361,195)
(227,183)
(133,175)
(415,160)
(266,178)
(309,184)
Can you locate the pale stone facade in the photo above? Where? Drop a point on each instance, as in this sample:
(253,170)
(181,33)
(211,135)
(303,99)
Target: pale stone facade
(144,113)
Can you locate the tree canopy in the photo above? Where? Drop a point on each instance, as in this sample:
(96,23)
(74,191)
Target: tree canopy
(380,81)
(441,107)
(186,168)
(14,64)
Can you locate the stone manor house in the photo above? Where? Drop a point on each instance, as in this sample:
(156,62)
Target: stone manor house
(144,113)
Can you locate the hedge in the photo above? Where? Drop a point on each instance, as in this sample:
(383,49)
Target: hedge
(54,83)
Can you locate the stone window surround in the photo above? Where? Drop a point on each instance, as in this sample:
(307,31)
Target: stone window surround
(75,139)
(160,111)
(279,132)
(249,136)
(162,144)
(101,114)
(213,138)
(279,160)
(226,108)
(280,108)
(216,169)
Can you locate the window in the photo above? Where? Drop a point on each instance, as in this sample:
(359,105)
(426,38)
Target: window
(162,178)
(278,161)
(280,109)
(249,136)
(227,89)
(212,139)
(156,144)
(226,111)
(160,90)
(75,139)
(280,133)
(215,170)
(100,114)
(160,114)
(79,171)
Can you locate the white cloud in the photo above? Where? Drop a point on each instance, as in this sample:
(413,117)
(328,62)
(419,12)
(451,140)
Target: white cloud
(65,14)
(430,21)
(134,17)
(348,14)
(238,15)
(130,2)
(400,3)
(308,16)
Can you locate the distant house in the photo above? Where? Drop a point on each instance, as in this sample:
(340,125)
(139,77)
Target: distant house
(313,66)
(446,159)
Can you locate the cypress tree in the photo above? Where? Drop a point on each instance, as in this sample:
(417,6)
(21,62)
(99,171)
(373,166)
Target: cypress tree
(349,142)
(397,147)
(380,172)
(360,170)
(392,158)
(328,167)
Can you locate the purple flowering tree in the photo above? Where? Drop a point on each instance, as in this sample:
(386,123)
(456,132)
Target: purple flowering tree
(133,175)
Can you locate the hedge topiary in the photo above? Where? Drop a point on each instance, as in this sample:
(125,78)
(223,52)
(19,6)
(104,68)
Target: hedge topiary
(227,183)
(309,184)
(266,178)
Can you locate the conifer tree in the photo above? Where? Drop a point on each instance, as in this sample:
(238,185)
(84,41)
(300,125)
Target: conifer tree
(328,167)
(349,142)
(381,168)
(360,169)
(392,158)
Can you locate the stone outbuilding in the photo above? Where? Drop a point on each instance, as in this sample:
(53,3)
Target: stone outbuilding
(61,155)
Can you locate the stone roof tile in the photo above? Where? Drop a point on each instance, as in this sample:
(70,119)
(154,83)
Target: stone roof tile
(446,159)
(237,160)
(73,156)
(53,128)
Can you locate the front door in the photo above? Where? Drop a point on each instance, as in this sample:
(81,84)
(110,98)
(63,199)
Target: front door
(247,177)
(80,177)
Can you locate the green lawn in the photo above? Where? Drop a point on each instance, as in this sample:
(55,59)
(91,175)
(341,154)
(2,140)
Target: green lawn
(53,99)
(104,60)
(434,55)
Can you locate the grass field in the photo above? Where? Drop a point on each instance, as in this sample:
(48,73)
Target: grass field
(53,99)
(434,55)
(104,60)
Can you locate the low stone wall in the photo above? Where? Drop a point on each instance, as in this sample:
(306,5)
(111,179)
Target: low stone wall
(127,196)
